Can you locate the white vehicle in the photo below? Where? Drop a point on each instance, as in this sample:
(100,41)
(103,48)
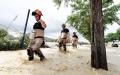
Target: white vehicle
(115,43)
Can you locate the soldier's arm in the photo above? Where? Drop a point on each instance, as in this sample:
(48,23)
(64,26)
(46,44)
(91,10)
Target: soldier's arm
(43,23)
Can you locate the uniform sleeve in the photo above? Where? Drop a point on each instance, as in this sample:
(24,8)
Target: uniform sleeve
(67,30)
(76,36)
(43,23)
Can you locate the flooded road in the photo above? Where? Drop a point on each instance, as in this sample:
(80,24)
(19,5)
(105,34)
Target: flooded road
(74,62)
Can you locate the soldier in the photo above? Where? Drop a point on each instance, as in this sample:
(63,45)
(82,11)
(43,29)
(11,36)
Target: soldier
(64,37)
(36,37)
(74,40)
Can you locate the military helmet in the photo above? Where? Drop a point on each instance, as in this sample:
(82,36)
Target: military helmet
(37,12)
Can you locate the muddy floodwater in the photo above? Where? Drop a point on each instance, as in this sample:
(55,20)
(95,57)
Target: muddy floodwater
(74,62)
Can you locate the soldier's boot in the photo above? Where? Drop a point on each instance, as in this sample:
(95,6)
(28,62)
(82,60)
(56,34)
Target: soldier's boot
(65,49)
(40,54)
(30,54)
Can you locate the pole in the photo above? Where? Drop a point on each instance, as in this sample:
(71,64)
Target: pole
(22,41)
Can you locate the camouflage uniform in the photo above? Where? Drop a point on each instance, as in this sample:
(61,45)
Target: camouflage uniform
(36,40)
(74,40)
(63,38)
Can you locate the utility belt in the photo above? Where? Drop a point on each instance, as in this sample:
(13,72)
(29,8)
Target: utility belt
(63,38)
(39,37)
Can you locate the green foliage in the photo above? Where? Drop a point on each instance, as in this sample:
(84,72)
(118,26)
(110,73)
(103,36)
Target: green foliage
(113,36)
(8,42)
(59,2)
(26,41)
(9,37)
(8,45)
(3,33)
(80,17)
(110,37)
(118,34)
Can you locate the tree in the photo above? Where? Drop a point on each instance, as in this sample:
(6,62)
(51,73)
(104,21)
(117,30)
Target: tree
(98,50)
(9,42)
(118,34)
(80,17)
(82,20)
(3,33)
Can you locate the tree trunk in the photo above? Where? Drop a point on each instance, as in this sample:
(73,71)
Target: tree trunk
(98,50)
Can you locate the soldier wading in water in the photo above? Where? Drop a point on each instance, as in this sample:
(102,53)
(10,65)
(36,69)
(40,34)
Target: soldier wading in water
(36,37)
(64,37)
(74,40)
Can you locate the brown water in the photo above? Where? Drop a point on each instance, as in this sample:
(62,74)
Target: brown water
(74,62)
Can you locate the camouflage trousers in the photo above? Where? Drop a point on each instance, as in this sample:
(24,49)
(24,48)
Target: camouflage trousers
(34,47)
(74,43)
(63,42)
